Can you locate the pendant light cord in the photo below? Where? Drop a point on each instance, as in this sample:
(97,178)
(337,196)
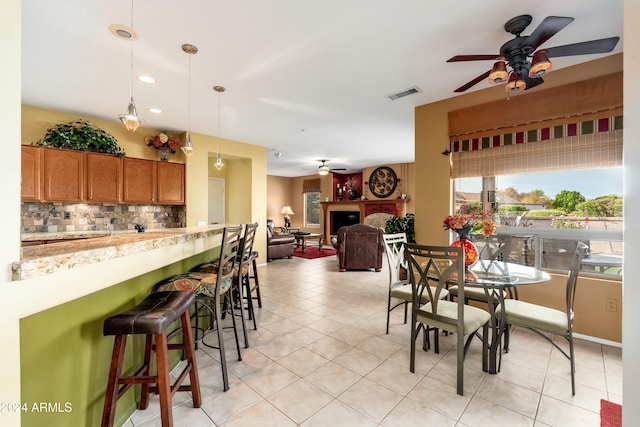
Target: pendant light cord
(218,125)
(189,100)
(131,54)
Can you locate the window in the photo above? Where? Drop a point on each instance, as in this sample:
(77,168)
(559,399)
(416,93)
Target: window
(546,213)
(312,209)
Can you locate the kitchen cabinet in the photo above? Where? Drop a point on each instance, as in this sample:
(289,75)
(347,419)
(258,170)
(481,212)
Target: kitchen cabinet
(104,178)
(31,183)
(139,180)
(170,183)
(57,175)
(63,175)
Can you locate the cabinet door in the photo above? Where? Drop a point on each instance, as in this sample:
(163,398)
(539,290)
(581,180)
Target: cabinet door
(171,183)
(104,178)
(31,185)
(63,172)
(139,180)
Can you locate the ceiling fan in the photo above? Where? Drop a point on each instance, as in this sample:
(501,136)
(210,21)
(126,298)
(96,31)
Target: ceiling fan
(323,169)
(514,66)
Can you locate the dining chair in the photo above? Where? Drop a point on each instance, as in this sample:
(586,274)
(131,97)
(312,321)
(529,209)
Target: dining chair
(431,269)
(494,248)
(543,320)
(399,285)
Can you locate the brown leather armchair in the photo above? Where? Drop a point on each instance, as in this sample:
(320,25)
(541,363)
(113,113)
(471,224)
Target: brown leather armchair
(278,245)
(359,247)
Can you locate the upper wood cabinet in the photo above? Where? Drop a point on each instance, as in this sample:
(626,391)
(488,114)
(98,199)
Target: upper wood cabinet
(63,175)
(170,183)
(31,183)
(139,178)
(56,175)
(104,178)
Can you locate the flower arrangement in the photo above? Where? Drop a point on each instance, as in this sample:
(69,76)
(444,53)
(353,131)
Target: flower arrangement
(464,224)
(161,141)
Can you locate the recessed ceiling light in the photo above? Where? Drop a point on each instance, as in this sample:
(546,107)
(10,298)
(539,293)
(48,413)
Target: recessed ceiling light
(123,32)
(155,110)
(146,79)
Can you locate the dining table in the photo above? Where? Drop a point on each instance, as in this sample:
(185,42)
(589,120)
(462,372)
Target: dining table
(500,280)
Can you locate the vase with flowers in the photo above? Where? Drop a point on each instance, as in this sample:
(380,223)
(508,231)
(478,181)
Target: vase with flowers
(464,225)
(163,143)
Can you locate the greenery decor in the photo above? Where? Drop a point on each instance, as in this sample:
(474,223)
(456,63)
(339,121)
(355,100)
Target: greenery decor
(81,136)
(402,225)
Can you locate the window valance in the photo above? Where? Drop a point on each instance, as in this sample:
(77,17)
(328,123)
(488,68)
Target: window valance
(311,185)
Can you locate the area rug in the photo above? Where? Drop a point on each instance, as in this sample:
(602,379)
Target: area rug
(610,414)
(312,252)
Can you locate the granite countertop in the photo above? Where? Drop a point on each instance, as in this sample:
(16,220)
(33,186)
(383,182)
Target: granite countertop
(86,248)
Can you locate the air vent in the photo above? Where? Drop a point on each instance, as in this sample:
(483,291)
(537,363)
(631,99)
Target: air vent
(403,93)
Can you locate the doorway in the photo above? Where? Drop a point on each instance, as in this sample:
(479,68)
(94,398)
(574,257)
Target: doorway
(216,201)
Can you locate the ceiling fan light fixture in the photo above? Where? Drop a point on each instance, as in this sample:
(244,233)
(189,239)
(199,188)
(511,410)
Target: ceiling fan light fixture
(515,84)
(498,73)
(323,169)
(540,64)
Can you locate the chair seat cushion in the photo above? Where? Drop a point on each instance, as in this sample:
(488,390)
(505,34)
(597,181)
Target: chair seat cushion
(474,318)
(476,294)
(152,316)
(536,316)
(201,283)
(404,292)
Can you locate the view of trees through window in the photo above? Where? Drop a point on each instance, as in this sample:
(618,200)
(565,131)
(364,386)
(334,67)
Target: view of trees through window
(586,202)
(312,209)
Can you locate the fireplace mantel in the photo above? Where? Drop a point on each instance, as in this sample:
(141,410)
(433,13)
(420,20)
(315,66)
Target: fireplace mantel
(366,207)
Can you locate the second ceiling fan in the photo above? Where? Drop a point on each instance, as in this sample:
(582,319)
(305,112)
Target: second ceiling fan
(324,169)
(519,64)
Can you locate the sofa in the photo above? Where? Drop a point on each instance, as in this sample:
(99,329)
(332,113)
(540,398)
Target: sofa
(278,245)
(359,247)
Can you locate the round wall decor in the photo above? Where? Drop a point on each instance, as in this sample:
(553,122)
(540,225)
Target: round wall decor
(383,182)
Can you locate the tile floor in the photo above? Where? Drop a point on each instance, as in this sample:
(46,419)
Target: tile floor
(320,357)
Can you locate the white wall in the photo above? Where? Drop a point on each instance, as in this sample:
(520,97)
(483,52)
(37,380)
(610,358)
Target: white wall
(631,154)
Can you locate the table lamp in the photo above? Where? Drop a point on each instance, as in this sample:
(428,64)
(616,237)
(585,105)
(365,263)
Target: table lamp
(286,211)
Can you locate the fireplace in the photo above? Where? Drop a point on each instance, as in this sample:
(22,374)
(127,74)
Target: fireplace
(343,218)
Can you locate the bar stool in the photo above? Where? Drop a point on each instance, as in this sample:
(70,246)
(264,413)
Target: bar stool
(152,317)
(256,287)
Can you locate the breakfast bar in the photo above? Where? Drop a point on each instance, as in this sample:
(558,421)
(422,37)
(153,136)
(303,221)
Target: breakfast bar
(73,286)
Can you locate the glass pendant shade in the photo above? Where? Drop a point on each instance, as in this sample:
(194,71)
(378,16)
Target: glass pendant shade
(188,148)
(540,64)
(515,84)
(498,73)
(130,120)
(323,170)
(218,164)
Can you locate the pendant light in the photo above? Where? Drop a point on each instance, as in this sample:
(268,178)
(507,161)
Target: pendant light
(218,164)
(130,119)
(188,146)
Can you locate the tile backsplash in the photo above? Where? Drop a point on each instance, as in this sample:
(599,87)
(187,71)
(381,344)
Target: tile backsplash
(58,217)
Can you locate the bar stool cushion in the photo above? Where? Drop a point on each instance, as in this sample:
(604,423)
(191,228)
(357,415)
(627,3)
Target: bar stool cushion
(152,316)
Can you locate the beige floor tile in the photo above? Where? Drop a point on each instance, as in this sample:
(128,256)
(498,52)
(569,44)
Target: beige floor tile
(381,346)
(410,413)
(371,399)
(509,395)
(439,396)
(300,400)
(557,413)
(263,414)
(270,379)
(302,362)
(359,360)
(395,377)
(329,347)
(185,415)
(333,378)
(482,413)
(336,414)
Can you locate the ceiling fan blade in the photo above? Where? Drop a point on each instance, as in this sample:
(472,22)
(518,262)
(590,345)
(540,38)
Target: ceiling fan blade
(460,58)
(583,48)
(532,82)
(547,29)
(473,82)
